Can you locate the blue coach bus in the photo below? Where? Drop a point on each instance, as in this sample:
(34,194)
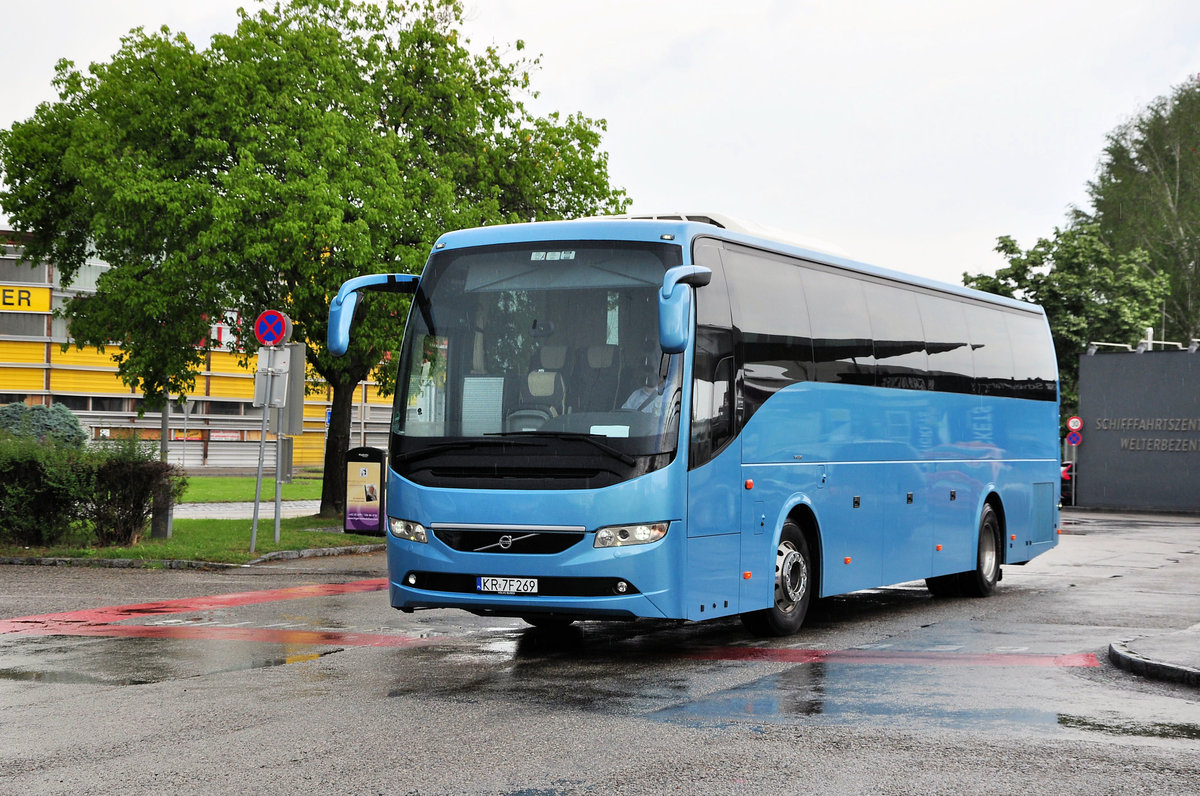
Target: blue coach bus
(672,418)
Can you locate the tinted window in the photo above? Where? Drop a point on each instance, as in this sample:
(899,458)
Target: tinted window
(947,344)
(712,394)
(767,294)
(76,403)
(22,271)
(842,345)
(990,349)
(900,360)
(712,300)
(22,324)
(713,367)
(771,318)
(1034,368)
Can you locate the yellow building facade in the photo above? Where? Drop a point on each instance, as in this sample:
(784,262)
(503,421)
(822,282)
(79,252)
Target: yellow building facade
(219,427)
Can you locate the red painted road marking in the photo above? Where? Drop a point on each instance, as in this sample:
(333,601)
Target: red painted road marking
(219,633)
(101,621)
(893,657)
(117,613)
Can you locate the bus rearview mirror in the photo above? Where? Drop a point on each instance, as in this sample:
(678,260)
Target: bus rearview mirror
(344,304)
(341,316)
(675,305)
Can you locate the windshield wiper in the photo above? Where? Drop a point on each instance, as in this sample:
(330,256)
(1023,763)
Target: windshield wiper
(442,447)
(592,439)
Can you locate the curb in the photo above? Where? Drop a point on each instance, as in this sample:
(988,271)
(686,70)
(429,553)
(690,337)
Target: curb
(116,563)
(171,563)
(319,552)
(1125,658)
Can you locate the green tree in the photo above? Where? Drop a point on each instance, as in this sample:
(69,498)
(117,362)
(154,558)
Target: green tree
(1147,196)
(1089,291)
(324,139)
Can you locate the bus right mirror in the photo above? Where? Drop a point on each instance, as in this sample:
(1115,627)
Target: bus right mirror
(675,305)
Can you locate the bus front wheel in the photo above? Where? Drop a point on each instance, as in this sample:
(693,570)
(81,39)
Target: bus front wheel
(794,585)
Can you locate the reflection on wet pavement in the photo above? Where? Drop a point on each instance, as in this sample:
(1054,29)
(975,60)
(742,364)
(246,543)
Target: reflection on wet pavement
(697,675)
(846,694)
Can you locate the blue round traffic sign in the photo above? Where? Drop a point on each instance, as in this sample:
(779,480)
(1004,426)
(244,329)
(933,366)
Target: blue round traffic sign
(273,328)
(1074,438)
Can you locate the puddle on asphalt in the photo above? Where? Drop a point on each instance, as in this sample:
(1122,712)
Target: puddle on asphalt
(125,662)
(72,678)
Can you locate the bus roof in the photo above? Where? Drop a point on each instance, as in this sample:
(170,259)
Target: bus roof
(684,228)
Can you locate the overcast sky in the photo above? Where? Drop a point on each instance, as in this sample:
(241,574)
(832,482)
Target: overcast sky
(909,134)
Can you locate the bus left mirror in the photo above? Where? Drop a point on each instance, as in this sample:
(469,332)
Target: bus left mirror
(341,315)
(675,305)
(341,309)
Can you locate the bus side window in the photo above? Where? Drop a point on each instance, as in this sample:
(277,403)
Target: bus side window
(712,394)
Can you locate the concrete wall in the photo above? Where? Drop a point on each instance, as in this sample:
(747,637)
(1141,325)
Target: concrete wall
(1141,432)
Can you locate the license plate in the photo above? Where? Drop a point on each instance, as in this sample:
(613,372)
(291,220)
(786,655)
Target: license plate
(507,585)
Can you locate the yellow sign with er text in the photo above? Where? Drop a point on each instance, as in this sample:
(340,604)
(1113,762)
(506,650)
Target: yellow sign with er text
(20,298)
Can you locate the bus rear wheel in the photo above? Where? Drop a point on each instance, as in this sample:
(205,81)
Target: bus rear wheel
(794,583)
(982,580)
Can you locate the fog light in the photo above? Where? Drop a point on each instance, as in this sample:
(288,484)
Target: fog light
(624,535)
(622,587)
(412,579)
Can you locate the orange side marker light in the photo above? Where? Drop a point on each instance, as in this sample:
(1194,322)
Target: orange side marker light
(939,548)
(749,483)
(847,559)
(746,576)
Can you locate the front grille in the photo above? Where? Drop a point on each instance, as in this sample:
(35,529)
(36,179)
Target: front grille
(547,587)
(525,542)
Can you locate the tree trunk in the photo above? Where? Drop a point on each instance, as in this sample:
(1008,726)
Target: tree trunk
(333,484)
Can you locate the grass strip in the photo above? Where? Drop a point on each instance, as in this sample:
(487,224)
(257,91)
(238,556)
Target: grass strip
(240,489)
(219,541)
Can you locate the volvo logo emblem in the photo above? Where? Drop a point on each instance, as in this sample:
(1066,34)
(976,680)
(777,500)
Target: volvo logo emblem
(505,542)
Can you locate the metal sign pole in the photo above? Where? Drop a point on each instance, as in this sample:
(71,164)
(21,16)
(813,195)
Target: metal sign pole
(262,447)
(362,418)
(278,472)
(1074,473)
(272,328)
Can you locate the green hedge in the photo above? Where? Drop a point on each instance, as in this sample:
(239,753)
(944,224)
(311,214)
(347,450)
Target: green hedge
(45,489)
(53,492)
(55,422)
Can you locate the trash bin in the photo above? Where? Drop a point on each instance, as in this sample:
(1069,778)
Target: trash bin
(365,491)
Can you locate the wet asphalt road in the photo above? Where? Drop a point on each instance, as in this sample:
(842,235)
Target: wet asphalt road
(299,677)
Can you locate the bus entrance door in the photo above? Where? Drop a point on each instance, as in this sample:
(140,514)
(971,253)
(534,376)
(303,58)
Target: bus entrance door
(714,538)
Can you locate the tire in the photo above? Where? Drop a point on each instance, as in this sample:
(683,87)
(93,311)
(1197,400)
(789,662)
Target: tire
(981,582)
(794,583)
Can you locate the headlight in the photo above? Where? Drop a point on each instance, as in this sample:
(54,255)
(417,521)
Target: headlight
(407,529)
(624,535)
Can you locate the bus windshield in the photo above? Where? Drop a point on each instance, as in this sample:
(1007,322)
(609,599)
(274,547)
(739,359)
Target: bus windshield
(537,363)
